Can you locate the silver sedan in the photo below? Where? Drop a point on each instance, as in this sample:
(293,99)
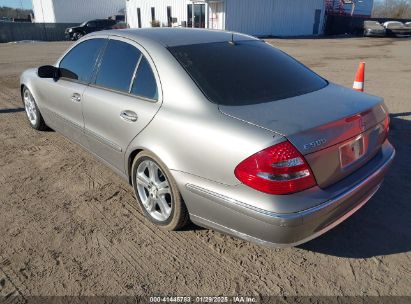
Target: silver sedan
(218,128)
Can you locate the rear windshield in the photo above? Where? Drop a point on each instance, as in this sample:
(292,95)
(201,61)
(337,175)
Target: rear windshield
(248,72)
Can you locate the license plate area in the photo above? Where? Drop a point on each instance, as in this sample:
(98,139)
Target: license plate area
(352,151)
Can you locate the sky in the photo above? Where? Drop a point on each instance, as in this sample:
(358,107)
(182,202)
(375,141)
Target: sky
(17,3)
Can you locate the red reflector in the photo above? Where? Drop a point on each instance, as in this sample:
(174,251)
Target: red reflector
(386,126)
(279,169)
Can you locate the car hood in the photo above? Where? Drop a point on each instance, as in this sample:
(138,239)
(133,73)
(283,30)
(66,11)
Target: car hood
(73,28)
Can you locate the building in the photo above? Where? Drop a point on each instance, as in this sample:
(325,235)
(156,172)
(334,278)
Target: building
(347,7)
(255,17)
(75,11)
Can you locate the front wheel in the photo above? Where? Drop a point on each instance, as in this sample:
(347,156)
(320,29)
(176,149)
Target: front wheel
(157,192)
(78,36)
(32,111)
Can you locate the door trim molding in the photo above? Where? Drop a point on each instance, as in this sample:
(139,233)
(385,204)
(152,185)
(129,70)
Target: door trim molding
(103,140)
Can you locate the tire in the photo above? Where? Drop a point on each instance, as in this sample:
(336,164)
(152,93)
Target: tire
(78,36)
(33,114)
(152,192)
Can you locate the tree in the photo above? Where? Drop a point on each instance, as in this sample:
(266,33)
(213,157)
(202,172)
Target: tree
(14,13)
(398,9)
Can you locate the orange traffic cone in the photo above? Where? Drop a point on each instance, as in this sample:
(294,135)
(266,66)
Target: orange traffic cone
(359,78)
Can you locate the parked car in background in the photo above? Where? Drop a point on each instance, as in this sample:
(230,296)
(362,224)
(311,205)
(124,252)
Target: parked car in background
(397,29)
(374,29)
(265,150)
(118,18)
(6,19)
(120,25)
(75,33)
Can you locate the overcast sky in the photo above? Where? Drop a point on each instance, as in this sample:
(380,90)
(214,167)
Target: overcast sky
(16,3)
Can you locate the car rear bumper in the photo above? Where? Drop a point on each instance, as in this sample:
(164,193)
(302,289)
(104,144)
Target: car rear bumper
(290,229)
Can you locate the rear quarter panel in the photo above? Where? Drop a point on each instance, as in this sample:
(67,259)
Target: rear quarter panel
(189,134)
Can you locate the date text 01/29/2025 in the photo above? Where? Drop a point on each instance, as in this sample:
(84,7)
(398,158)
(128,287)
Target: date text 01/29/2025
(199,299)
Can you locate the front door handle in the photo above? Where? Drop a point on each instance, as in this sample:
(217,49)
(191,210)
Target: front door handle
(76,97)
(129,116)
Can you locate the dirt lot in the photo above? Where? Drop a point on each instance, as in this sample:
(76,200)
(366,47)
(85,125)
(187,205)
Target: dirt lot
(69,226)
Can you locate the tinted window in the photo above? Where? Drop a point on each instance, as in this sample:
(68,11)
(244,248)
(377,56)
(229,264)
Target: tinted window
(145,83)
(248,72)
(118,65)
(79,62)
(107,22)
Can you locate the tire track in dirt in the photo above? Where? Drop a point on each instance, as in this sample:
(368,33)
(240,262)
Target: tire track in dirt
(11,287)
(206,254)
(173,254)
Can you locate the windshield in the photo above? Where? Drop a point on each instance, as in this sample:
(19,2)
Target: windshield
(248,72)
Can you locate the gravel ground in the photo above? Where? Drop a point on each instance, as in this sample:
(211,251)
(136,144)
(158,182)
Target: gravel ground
(69,226)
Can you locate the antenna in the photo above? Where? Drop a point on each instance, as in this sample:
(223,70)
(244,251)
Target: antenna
(232,42)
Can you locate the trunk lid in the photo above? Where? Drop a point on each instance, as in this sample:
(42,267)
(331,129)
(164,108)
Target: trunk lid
(337,130)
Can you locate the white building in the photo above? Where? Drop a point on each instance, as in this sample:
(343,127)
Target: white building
(255,17)
(75,11)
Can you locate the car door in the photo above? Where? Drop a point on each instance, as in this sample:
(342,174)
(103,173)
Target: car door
(122,100)
(62,98)
(107,24)
(91,27)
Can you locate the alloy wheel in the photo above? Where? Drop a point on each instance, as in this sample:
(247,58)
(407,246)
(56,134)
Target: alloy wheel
(30,107)
(154,190)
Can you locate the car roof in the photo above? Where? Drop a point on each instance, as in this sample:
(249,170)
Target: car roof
(393,22)
(170,37)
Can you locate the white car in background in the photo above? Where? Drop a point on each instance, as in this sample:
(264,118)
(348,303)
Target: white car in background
(397,29)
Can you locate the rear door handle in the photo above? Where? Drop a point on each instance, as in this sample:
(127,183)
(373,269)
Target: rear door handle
(76,97)
(128,115)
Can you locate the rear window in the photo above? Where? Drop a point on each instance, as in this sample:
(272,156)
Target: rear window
(249,72)
(117,66)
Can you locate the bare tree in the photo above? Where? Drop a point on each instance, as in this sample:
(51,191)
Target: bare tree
(400,9)
(9,12)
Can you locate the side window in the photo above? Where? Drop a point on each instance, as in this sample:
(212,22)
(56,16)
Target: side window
(145,83)
(118,65)
(79,63)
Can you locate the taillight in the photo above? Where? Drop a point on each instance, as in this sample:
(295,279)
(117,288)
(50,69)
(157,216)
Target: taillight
(387,125)
(279,169)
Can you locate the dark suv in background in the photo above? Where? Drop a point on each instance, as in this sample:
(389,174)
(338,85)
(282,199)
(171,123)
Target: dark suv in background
(75,33)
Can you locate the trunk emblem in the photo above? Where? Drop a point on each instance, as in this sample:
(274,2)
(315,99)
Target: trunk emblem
(363,124)
(315,144)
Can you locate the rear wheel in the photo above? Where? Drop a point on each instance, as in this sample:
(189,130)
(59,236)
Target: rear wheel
(78,36)
(32,111)
(157,192)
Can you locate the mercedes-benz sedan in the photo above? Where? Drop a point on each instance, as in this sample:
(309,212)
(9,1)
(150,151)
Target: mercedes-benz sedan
(218,128)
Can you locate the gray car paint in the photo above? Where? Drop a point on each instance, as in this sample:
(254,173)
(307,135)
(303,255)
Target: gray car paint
(321,115)
(202,143)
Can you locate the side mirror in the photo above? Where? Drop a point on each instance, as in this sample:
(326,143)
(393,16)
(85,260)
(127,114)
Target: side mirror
(48,71)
